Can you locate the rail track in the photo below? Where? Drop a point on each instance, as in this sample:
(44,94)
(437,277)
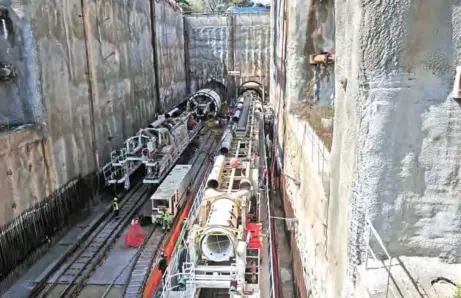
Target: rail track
(69,279)
(149,251)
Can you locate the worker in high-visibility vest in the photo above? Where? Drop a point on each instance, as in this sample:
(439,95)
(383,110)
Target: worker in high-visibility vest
(115,206)
(182,283)
(163,263)
(166,218)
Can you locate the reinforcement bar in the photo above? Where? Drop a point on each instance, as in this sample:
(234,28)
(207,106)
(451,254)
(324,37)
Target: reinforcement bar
(50,270)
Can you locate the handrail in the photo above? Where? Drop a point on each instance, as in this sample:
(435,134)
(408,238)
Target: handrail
(370,250)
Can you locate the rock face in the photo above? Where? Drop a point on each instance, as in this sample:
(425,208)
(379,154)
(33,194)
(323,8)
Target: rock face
(397,142)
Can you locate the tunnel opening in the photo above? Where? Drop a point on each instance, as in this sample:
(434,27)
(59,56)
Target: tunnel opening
(253,86)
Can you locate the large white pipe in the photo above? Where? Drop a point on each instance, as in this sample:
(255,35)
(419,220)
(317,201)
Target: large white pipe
(214,179)
(236,116)
(158,122)
(171,113)
(217,243)
(226,142)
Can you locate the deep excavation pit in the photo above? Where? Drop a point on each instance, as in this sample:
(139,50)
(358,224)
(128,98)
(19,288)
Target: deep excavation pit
(365,131)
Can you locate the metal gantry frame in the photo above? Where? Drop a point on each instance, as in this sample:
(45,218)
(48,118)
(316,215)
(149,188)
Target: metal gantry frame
(219,276)
(148,148)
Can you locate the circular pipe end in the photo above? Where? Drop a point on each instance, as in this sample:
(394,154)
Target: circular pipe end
(212,183)
(245,184)
(223,150)
(217,248)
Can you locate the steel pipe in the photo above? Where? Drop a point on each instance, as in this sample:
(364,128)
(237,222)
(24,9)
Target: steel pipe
(214,179)
(157,122)
(226,142)
(217,242)
(243,121)
(172,113)
(245,184)
(236,116)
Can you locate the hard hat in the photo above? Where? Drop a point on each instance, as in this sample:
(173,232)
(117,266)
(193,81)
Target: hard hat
(115,199)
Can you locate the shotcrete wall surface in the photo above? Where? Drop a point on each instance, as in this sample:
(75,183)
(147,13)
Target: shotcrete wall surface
(218,44)
(89,111)
(397,142)
(169,27)
(302,28)
(307,189)
(310,30)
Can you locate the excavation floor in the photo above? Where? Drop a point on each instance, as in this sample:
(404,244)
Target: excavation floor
(23,286)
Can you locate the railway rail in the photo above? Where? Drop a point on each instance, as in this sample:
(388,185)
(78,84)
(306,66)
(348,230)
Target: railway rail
(69,278)
(141,264)
(149,253)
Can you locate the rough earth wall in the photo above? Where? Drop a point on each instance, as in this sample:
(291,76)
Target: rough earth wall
(396,144)
(96,91)
(217,44)
(169,46)
(302,28)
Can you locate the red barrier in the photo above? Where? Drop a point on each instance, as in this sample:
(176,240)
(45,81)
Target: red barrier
(156,275)
(135,235)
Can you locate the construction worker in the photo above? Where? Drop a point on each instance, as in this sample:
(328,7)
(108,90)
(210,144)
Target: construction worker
(166,219)
(182,283)
(162,264)
(115,206)
(233,286)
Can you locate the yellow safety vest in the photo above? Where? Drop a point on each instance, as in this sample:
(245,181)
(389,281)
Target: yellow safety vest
(115,205)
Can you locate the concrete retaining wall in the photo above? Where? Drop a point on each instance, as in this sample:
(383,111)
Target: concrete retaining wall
(302,28)
(169,46)
(96,91)
(217,44)
(397,138)
(307,189)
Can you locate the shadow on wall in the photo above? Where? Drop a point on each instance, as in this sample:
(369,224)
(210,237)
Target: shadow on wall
(169,48)
(19,105)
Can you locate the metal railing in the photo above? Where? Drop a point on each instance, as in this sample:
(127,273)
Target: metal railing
(369,231)
(171,271)
(267,221)
(272,293)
